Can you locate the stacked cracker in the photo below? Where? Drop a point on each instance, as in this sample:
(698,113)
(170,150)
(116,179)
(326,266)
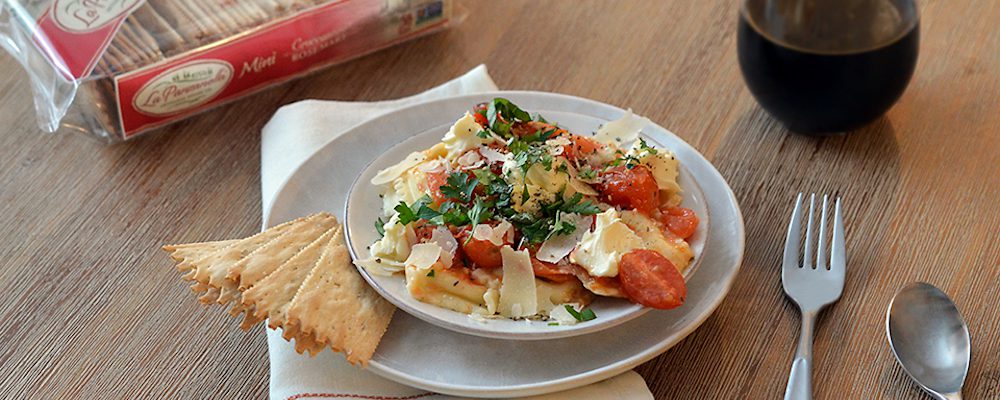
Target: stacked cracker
(163,28)
(299,277)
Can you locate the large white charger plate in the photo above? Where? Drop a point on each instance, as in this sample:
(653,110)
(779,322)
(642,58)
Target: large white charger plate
(416,353)
(364,205)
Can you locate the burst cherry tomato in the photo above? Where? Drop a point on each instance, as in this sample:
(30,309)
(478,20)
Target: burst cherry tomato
(632,188)
(552,272)
(434,182)
(679,220)
(483,253)
(648,278)
(580,146)
(479,113)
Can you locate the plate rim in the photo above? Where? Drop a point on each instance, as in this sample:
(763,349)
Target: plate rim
(571,381)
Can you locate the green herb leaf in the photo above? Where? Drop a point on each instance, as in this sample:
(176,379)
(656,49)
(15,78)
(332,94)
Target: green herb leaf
(583,315)
(480,211)
(380,227)
(460,186)
(575,206)
(406,214)
(431,273)
(644,147)
(560,227)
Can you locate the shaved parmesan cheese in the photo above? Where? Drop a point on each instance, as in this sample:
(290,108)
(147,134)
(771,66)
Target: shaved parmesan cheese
(582,187)
(390,174)
(423,255)
(559,246)
(442,237)
(557,146)
(506,231)
(561,315)
(470,159)
(518,297)
(600,251)
(623,130)
(495,235)
(492,155)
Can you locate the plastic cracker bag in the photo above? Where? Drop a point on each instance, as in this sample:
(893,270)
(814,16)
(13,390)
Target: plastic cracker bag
(116,68)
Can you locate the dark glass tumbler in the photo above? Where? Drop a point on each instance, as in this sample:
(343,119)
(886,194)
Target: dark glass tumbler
(827,66)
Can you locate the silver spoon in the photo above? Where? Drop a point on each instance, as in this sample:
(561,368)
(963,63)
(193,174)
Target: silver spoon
(930,339)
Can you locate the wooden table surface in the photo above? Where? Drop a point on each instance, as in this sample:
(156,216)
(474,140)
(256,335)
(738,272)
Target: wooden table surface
(92,309)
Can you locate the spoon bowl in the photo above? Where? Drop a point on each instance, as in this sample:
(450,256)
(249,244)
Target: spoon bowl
(930,339)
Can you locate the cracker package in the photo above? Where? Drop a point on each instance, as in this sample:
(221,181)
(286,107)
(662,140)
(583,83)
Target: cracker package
(118,68)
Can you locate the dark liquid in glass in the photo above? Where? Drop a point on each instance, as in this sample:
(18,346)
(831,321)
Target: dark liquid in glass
(821,91)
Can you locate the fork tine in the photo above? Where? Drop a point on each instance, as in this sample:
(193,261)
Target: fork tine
(792,240)
(808,253)
(838,258)
(821,248)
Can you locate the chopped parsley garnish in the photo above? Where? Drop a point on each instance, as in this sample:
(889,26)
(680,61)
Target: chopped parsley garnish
(632,160)
(480,211)
(501,115)
(431,273)
(380,227)
(460,186)
(645,148)
(583,315)
(553,324)
(465,205)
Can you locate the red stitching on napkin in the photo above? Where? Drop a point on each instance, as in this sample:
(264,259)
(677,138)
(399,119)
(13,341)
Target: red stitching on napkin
(356,396)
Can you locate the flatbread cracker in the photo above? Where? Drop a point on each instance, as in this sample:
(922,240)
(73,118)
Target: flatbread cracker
(213,268)
(299,277)
(250,270)
(336,305)
(192,251)
(271,296)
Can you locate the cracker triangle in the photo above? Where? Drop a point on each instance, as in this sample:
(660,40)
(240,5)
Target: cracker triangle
(270,256)
(271,296)
(192,251)
(337,306)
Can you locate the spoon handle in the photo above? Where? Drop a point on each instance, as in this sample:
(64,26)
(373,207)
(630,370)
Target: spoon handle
(800,378)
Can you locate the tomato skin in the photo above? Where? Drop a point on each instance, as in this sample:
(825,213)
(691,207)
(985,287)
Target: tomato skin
(434,182)
(521,129)
(631,188)
(482,253)
(551,272)
(679,220)
(650,279)
(580,147)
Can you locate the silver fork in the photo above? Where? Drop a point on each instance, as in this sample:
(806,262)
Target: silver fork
(811,285)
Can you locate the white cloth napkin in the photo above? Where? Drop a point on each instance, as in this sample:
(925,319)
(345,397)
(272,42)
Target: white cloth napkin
(294,133)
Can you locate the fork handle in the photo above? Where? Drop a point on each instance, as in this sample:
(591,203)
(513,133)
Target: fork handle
(800,378)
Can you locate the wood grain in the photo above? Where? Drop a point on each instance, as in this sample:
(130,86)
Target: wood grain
(91,309)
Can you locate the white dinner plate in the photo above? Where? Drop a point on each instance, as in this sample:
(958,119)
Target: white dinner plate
(419,354)
(364,205)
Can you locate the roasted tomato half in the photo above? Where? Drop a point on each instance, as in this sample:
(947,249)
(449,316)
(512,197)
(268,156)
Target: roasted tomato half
(650,279)
(630,187)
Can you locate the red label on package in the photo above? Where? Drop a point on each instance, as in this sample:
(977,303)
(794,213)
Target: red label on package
(177,88)
(73,34)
